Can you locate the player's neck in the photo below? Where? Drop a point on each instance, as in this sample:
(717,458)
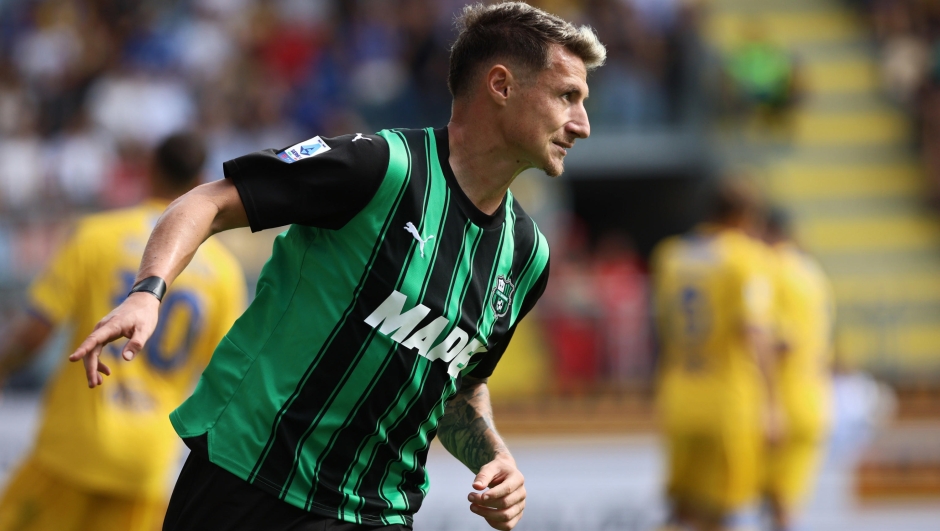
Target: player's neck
(481,162)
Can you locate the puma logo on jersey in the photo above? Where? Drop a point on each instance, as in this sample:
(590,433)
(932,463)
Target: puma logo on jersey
(359,136)
(455,350)
(410,227)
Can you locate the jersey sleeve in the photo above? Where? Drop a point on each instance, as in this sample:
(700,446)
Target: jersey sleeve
(55,293)
(491,358)
(319,182)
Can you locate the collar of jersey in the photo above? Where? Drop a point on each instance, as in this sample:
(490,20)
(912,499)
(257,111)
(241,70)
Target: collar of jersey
(477,216)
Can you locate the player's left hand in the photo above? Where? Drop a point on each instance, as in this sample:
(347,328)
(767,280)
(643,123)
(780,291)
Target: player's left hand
(502,505)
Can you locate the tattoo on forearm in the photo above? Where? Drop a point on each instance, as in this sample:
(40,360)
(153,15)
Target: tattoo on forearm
(467,429)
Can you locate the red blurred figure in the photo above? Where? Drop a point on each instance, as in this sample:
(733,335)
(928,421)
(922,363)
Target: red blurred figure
(573,315)
(622,293)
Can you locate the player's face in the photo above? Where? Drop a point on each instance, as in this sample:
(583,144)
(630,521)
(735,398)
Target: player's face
(550,115)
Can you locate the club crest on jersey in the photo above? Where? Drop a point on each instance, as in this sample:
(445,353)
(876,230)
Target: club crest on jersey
(501,298)
(304,150)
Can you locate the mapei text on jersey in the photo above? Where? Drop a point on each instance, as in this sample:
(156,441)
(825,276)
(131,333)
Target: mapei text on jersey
(456,349)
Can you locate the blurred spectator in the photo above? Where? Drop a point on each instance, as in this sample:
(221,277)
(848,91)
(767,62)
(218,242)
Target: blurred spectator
(763,77)
(572,313)
(204,44)
(908,32)
(18,109)
(630,89)
(127,182)
(596,313)
(139,106)
(660,15)
(425,53)
(621,290)
(249,73)
(904,67)
(861,406)
(21,158)
(82,160)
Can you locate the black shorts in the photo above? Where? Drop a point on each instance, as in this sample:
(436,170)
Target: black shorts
(209,498)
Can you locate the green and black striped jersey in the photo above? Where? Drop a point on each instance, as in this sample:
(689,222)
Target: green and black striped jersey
(389,286)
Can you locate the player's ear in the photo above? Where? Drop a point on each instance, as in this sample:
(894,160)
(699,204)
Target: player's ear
(499,84)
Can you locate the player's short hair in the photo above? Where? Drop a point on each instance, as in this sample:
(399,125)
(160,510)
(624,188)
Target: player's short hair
(179,158)
(735,196)
(519,34)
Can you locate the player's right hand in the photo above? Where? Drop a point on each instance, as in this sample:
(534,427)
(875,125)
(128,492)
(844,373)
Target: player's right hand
(135,319)
(502,505)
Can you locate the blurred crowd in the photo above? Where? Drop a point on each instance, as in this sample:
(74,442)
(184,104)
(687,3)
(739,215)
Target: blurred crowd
(761,81)
(908,35)
(88,86)
(596,314)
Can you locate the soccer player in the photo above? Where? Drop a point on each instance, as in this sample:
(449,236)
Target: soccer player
(384,307)
(713,297)
(804,314)
(104,461)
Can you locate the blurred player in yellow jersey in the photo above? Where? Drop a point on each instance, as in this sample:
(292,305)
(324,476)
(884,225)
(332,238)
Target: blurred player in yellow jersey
(104,460)
(713,297)
(804,318)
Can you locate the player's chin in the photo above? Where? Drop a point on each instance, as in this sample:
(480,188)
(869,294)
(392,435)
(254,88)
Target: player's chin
(554,167)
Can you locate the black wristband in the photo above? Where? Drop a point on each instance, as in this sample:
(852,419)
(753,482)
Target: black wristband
(155,286)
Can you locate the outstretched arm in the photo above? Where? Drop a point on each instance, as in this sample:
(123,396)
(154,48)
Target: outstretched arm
(183,227)
(467,431)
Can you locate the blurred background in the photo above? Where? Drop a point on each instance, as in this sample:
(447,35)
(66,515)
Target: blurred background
(849,145)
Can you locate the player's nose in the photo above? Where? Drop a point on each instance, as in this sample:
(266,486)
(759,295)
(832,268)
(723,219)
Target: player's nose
(579,125)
